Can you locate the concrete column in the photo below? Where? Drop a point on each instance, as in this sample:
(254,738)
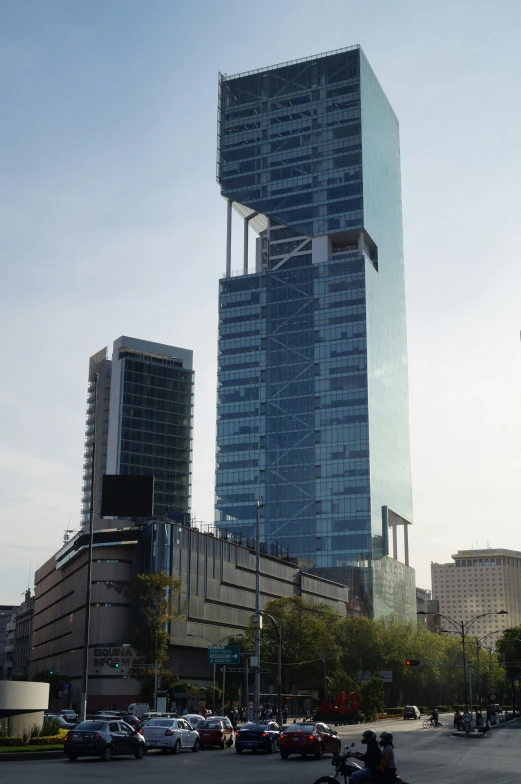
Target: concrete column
(406,543)
(229,239)
(395,541)
(245,259)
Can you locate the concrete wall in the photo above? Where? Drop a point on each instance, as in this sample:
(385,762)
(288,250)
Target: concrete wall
(22,705)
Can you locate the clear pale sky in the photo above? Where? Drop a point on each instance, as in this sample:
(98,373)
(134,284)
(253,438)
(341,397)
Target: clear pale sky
(111,223)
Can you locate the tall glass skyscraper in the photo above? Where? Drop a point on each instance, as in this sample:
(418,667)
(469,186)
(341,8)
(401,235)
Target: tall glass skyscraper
(313,402)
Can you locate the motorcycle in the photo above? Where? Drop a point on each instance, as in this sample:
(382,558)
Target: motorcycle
(344,766)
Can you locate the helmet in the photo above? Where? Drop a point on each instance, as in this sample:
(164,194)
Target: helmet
(368,736)
(386,738)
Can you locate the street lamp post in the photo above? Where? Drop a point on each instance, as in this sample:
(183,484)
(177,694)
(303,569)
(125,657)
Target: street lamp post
(257,678)
(278,629)
(479,646)
(214,644)
(463,628)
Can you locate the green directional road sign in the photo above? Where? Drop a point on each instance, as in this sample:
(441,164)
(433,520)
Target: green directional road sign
(224,654)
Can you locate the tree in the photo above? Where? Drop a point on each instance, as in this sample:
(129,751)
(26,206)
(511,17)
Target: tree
(372,698)
(308,633)
(153,597)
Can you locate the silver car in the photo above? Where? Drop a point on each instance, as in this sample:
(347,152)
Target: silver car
(170,735)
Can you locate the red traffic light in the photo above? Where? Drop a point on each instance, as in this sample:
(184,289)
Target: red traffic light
(412,663)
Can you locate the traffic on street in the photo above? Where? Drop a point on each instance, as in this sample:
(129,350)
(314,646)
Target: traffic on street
(423,756)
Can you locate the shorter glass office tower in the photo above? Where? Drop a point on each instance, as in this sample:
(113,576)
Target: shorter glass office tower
(140,411)
(313,402)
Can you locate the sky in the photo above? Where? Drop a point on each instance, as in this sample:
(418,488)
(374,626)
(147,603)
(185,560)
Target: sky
(111,223)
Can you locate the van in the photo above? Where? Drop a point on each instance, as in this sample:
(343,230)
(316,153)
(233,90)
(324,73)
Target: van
(138,708)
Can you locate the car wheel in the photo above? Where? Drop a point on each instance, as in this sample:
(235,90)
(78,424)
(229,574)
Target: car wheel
(140,753)
(284,755)
(177,747)
(271,747)
(195,747)
(72,757)
(230,743)
(320,753)
(222,744)
(107,754)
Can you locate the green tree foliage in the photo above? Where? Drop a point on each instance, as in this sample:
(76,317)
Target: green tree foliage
(357,648)
(372,698)
(156,602)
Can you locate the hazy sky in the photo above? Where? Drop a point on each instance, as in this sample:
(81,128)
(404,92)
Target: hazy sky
(111,223)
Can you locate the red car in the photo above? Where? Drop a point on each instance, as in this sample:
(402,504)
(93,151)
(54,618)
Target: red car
(214,732)
(303,739)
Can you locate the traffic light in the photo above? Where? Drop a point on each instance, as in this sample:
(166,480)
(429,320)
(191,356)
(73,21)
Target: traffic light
(412,663)
(114,665)
(51,672)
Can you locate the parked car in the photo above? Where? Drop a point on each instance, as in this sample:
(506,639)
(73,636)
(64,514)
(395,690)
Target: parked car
(70,716)
(308,738)
(411,712)
(61,721)
(215,732)
(170,735)
(258,735)
(194,719)
(105,739)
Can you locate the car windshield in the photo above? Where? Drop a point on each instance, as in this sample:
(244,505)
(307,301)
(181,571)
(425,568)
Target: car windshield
(160,723)
(252,725)
(307,729)
(90,725)
(211,725)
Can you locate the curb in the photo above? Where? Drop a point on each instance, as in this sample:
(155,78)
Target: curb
(474,734)
(31,755)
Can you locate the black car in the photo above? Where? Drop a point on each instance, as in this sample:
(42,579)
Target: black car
(104,739)
(258,735)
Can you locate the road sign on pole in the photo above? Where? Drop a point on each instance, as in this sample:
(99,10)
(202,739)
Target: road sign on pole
(224,654)
(386,676)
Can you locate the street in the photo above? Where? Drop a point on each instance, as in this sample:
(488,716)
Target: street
(424,756)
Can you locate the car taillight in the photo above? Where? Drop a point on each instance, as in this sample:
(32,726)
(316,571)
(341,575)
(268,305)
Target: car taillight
(282,735)
(169,732)
(264,734)
(96,736)
(140,732)
(311,738)
(237,733)
(67,736)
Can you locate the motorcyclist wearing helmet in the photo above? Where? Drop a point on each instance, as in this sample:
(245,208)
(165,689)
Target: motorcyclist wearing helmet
(388,764)
(372,759)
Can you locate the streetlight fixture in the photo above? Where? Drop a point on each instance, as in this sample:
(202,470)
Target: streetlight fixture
(214,644)
(463,628)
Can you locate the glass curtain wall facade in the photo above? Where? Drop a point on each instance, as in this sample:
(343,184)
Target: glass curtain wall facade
(312,399)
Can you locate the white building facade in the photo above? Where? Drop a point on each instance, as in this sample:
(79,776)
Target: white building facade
(476,583)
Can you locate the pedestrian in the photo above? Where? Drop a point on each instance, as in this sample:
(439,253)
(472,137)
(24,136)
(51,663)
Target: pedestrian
(308,715)
(285,715)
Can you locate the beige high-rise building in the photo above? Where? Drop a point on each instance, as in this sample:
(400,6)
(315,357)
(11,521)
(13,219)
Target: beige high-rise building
(478,582)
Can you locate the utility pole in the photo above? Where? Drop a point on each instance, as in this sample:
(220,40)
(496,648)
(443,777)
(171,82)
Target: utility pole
(259,505)
(86,634)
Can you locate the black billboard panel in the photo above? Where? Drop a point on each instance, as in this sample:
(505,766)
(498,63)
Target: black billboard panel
(125,495)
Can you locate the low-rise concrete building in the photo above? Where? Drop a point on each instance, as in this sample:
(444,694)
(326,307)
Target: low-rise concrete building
(218,578)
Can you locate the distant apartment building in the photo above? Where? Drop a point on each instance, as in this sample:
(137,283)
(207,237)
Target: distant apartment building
(140,417)
(17,640)
(6,610)
(479,582)
(425,603)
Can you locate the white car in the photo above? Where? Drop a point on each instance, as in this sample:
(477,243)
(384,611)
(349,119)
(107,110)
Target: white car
(194,719)
(170,735)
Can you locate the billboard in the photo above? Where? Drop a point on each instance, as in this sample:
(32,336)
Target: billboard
(124,495)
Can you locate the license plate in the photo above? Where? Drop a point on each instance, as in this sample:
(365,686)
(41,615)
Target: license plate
(295,740)
(248,744)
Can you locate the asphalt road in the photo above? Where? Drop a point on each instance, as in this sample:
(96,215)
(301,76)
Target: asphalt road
(424,756)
